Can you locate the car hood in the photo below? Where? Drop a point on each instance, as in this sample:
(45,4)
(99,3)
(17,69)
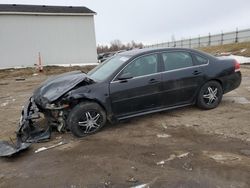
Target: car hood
(55,87)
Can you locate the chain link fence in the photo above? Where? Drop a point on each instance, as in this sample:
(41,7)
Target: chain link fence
(210,40)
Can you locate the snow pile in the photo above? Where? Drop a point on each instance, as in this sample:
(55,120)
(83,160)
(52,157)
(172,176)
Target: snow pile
(240,59)
(59,65)
(75,64)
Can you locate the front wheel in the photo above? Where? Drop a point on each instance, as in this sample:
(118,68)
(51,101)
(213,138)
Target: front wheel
(210,95)
(86,118)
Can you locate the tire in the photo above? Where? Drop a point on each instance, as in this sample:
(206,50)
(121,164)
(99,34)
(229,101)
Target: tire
(210,95)
(86,118)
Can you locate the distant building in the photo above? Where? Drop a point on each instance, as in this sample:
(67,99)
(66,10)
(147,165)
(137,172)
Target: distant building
(62,35)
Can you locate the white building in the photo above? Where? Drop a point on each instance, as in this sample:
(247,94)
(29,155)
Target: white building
(62,35)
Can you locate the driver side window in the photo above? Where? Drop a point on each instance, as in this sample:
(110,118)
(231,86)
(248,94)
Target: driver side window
(142,66)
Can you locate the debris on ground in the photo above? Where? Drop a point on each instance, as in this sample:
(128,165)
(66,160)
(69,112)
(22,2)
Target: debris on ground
(163,136)
(4,84)
(242,133)
(134,168)
(183,155)
(222,157)
(8,101)
(107,183)
(58,137)
(132,180)
(245,152)
(187,166)
(9,149)
(196,125)
(4,104)
(164,125)
(172,157)
(146,185)
(20,79)
(188,125)
(142,186)
(50,147)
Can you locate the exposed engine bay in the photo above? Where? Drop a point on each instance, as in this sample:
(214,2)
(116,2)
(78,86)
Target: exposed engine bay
(50,101)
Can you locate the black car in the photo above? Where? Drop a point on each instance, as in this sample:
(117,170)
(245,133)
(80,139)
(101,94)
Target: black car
(130,84)
(134,83)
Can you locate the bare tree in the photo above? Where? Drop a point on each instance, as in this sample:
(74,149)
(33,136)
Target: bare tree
(117,45)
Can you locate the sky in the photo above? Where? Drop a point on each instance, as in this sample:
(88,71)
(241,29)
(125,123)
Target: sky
(156,21)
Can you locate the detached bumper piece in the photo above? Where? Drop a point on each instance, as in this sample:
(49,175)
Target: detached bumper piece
(27,133)
(7,149)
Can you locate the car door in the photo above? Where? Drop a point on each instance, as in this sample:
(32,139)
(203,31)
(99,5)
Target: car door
(181,78)
(137,87)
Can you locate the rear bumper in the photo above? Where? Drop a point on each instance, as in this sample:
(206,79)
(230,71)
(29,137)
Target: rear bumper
(232,82)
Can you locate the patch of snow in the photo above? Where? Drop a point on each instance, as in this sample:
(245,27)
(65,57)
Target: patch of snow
(240,59)
(222,157)
(243,50)
(71,65)
(163,135)
(141,186)
(4,104)
(60,65)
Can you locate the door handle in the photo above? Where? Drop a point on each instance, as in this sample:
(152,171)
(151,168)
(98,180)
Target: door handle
(153,81)
(123,81)
(196,72)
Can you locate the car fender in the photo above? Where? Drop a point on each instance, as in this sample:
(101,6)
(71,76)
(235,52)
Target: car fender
(90,94)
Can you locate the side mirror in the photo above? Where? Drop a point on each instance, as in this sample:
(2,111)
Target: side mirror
(125,76)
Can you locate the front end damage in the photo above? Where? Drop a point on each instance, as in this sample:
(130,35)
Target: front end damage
(26,133)
(48,103)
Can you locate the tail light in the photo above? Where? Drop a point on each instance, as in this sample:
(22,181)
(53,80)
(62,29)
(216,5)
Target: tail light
(236,66)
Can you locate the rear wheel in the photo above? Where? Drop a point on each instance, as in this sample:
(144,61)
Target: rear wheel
(210,95)
(86,118)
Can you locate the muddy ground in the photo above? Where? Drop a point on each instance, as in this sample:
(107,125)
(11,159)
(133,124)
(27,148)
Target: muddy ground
(187,147)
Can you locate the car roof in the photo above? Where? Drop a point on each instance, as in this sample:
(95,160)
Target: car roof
(138,52)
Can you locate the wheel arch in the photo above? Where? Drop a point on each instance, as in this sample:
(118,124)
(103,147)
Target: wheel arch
(216,80)
(85,99)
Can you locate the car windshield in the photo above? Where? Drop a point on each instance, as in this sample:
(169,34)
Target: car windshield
(107,68)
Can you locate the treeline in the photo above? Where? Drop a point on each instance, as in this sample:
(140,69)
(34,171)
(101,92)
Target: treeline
(117,45)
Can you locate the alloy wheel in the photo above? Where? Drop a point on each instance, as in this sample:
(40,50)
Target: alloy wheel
(90,121)
(211,95)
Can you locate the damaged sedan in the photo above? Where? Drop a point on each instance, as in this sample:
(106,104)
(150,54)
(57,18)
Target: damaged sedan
(130,84)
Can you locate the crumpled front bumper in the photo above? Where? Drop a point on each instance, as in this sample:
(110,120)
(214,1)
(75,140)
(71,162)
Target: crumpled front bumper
(28,132)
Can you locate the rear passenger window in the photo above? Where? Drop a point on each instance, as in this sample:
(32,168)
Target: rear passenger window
(201,60)
(177,60)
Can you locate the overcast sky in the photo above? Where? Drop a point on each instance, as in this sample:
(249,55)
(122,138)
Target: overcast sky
(152,21)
